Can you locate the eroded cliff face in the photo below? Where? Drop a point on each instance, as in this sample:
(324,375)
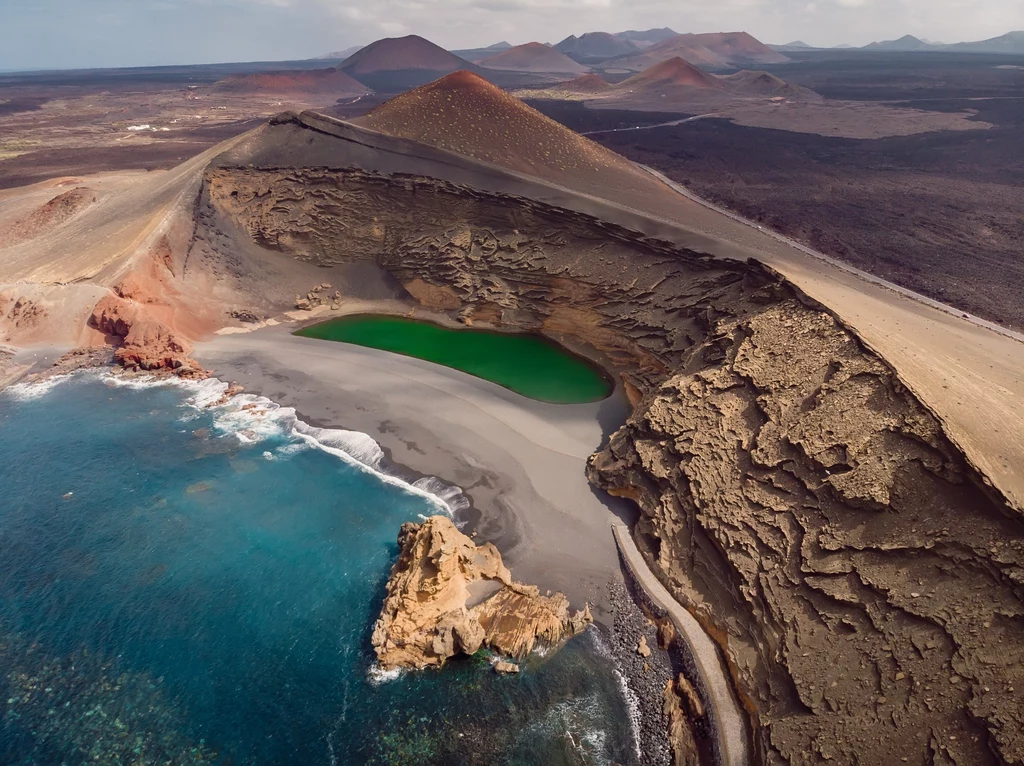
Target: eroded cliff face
(866,586)
(812,514)
(503,260)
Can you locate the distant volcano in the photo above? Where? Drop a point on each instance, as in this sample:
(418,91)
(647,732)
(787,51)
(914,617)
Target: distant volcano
(464,113)
(675,72)
(533,57)
(738,48)
(753,83)
(588,83)
(715,50)
(396,63)
(595,46)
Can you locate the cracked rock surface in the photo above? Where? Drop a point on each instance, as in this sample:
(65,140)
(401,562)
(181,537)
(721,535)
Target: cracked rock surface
(812,514)
(448,596)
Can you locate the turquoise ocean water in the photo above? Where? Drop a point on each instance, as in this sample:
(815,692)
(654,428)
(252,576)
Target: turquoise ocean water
(190,584)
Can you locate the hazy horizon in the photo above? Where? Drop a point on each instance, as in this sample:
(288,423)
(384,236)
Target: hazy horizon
(62,34)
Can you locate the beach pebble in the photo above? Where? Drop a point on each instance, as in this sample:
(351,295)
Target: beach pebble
(642,648)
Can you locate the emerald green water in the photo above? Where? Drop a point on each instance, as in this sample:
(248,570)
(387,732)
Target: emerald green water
(530,365)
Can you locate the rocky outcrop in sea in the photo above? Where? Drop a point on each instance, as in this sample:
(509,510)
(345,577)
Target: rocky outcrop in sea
(448,596)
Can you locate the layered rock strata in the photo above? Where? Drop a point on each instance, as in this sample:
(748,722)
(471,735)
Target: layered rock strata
(447,596)
(866,585)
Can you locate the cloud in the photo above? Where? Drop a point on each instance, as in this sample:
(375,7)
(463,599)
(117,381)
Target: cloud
(70,33)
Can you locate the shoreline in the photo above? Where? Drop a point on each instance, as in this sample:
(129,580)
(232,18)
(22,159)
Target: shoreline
(539,550)
(215,395)
(519,462)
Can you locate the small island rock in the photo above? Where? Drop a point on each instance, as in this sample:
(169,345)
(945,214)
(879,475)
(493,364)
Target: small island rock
(448,596)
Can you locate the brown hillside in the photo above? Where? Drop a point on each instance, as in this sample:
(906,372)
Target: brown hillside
(55,212)
(332,82)
(758,79)
(464,113)
(752,83)
(672,73)
(718,49)
(687,50)
(736,47)
(393,54)
(533,57)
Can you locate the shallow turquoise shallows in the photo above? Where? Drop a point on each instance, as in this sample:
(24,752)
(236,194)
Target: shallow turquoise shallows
(530,365)
(179,584)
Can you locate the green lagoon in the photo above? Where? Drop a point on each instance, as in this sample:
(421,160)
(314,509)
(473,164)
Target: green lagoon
(529,364)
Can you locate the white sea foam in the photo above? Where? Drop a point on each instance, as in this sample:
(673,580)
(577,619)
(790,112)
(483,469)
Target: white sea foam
(632,707)
(451,495)
(25,392)
(628,695)
(287,450)
(34,390)
(378,675)
(136,382)
(574,720)
(253,419)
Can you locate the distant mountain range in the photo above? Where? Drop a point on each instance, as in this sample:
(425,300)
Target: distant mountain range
(479,54)
(339,55)
(1011,42)
(646,37)
(905,43)
(595,47)
(716,50)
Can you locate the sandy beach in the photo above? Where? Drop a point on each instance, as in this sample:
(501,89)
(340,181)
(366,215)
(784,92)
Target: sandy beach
(520,462)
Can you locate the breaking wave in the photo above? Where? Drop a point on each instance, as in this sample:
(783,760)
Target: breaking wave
(253,419)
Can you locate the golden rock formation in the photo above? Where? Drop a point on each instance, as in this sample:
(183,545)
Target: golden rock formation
(448,596)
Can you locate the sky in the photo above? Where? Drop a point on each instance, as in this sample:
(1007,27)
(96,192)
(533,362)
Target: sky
(114,33)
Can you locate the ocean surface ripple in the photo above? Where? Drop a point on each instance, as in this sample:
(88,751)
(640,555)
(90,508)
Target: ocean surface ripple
(191,577)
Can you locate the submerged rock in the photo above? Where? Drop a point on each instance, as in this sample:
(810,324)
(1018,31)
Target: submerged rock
(448,596)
